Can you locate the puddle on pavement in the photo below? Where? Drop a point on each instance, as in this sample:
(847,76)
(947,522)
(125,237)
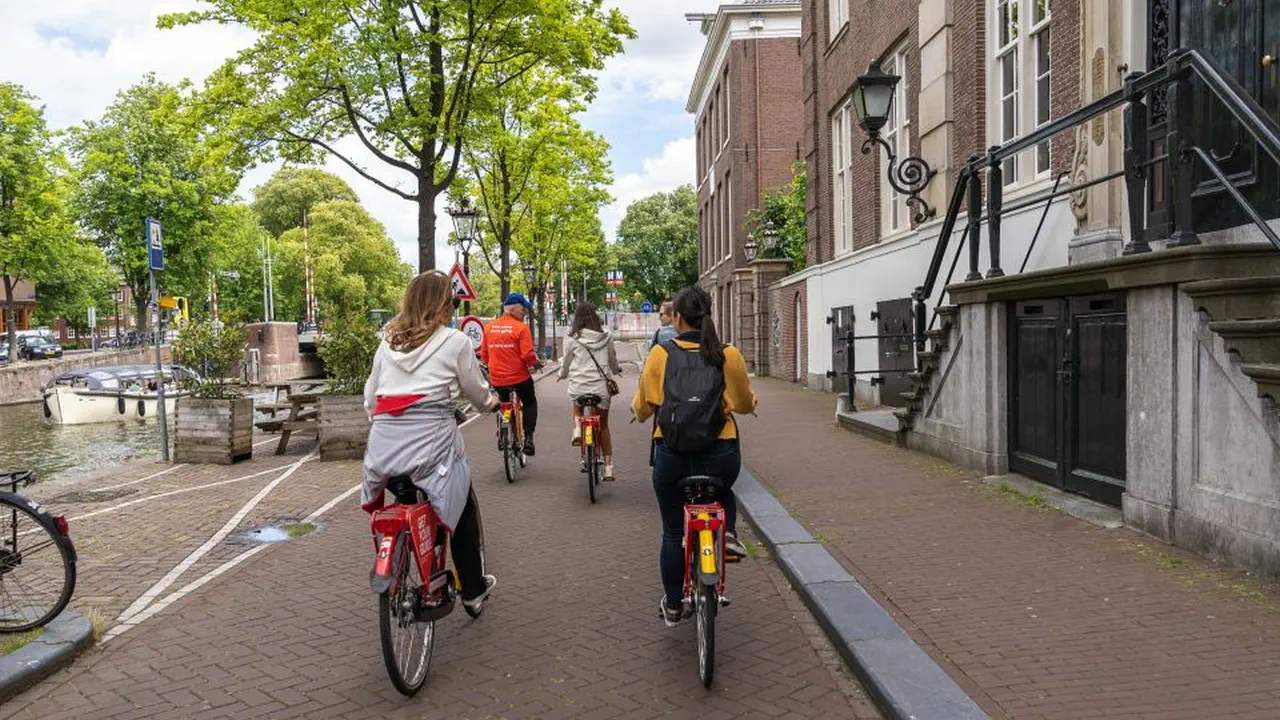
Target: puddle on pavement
(279,532)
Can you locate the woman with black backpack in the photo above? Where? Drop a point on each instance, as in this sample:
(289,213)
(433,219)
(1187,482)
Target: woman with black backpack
(694,384)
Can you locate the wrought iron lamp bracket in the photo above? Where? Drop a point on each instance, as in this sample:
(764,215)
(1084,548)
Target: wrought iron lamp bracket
(910,177)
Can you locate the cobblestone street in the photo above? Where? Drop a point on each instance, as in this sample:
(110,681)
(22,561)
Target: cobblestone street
(289,629)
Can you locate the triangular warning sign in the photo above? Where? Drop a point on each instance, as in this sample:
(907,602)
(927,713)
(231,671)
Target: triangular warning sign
(461,285)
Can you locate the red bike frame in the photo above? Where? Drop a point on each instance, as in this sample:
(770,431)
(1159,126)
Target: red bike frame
(423,525)
(699,518)
(511,412)
(590,425)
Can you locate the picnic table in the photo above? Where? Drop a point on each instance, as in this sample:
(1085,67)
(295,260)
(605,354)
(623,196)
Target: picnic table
(287,388)
(304,414)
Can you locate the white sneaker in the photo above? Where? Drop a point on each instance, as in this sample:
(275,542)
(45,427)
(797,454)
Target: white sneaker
(476,604)
(608,472)
(576,439)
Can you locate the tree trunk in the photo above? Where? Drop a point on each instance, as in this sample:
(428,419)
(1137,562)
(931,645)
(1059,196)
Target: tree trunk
(140,307)
(426,225)
(10,318)
(504,259)
(540,304)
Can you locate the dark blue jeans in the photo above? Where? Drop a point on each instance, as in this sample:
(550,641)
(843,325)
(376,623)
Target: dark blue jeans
(722,460)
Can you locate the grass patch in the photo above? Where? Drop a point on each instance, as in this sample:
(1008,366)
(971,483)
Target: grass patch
(1169,560)
(821,538)
(98,623)
(1031,500)
(11,643)
(299,529)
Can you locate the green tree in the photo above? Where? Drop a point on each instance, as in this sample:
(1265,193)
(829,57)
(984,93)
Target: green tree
(406,78)
(236,262)
(143,159)
(281,202)
(785,209)
(34,227)
(213,350)
(356,265)
(81,279)
(658,244)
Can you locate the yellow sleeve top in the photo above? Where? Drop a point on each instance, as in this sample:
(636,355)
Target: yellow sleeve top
(738,397)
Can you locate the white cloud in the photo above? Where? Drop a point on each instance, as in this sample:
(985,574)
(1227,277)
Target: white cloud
(674,167)
(659,64)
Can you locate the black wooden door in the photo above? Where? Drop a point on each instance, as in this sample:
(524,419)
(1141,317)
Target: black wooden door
(1095,377)
(897,357)
(1035,393)
(841,325)
(1239,34)
(1067,393)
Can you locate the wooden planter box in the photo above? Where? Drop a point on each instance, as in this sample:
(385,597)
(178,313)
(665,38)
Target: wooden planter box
(344,427)
(213,431)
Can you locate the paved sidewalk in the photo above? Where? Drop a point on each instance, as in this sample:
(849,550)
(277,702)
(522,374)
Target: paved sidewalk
(572,631)
(1035,614)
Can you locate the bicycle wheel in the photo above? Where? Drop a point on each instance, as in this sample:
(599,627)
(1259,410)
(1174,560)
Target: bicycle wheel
(37,566)
(705,605)
(591,473)
(484,568)
(510,461)
(407,643)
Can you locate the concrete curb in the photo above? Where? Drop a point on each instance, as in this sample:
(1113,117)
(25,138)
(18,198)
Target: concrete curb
(901,677)
(62,640)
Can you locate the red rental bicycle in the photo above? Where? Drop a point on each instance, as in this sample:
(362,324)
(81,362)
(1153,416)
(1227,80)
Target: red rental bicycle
(510,420)
(592,460)
(412,544)
(705,558)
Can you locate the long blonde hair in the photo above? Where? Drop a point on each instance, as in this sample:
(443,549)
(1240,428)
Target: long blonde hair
(427,305)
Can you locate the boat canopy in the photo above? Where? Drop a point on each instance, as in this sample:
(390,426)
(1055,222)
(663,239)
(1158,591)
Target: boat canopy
(119,377)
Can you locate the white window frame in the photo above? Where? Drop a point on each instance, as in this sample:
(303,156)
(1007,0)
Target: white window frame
(842,178)
(837,18)
(1016,79)
(894,214)
(727,249)
(724,108)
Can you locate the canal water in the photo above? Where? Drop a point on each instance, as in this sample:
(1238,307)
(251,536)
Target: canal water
(27,442)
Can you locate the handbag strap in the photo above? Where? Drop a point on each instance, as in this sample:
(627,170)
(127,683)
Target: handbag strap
(593,359)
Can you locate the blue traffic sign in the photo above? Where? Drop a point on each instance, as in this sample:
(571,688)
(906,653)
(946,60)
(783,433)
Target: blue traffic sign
(155,244)
(646,307)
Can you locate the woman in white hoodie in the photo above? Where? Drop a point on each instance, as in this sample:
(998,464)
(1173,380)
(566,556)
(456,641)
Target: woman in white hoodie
(589,358)
(420,366)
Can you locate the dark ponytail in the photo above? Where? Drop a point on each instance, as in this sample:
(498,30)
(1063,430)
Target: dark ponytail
(694,306)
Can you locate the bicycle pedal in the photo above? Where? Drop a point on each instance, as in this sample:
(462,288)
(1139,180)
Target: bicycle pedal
(732,558)
(724,601)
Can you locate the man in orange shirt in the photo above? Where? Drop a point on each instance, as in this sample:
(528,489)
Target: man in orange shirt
(507,349)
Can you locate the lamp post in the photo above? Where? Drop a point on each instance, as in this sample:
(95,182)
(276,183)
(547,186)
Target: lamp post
(464,229)
(872,102)
(117,296)
(750,248)
(770,239)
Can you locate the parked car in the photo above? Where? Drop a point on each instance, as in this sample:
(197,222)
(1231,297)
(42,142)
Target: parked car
(4,352)
(38,348)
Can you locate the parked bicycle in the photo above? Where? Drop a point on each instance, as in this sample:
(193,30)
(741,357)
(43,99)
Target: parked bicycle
(705,559)
(37,559)
(412,544)
(592,460)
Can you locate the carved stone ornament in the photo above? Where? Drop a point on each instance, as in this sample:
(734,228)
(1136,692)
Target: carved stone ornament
(1079,176)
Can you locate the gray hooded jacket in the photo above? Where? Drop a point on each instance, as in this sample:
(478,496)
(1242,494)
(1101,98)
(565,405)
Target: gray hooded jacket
(585,377)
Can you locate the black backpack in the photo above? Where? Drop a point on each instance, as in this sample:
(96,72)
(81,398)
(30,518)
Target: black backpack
(692,412)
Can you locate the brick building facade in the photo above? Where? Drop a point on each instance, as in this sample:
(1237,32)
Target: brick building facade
(746,102)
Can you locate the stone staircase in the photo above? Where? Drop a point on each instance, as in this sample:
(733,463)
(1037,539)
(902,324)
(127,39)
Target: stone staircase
(1245,313)
(928,361)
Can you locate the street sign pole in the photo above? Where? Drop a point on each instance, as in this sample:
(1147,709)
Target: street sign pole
(155,245)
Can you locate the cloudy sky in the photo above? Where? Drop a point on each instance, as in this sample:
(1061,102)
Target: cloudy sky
(75,55)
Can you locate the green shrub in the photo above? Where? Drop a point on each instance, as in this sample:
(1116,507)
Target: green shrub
(347,344)
(213,352)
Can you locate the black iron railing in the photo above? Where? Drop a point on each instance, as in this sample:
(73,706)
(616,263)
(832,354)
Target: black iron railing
(1182,68)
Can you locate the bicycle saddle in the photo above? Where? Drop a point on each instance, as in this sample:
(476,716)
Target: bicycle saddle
(403,489)
(588,400)
(703,487)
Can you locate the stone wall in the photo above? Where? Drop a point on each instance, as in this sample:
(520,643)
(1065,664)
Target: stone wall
(24,382)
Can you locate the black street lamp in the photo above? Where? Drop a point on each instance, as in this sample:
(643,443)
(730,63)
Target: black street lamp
(464,229)
(530,275)
(117,295)
(872,102)
(770,239)
(750,247)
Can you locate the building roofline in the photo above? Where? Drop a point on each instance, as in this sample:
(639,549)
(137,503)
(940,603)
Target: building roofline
(716,29)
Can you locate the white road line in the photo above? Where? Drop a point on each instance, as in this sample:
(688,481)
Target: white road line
(330,505)
(172,576)
(135,482)
(194,585)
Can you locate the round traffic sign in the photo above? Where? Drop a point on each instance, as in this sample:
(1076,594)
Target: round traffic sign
(646,306)
(473,328)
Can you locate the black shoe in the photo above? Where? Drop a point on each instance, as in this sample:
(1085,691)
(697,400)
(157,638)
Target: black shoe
(528,446)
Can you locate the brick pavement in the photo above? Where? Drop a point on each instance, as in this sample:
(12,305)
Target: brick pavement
(572,631)
(1035,614)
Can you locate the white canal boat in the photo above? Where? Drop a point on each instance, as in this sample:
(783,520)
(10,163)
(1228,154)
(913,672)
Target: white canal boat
(106,394)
